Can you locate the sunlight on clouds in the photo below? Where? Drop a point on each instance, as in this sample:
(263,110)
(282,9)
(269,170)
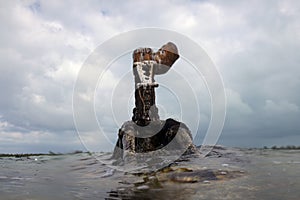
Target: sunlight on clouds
(288,7)
(280,107)
(11,136)
(38,98)
(52,26)
(236,104)
(107,81)
(4,124)
(66,72)
(186,21)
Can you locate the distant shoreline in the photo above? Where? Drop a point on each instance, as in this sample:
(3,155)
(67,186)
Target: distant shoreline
(50,153)
(288,147)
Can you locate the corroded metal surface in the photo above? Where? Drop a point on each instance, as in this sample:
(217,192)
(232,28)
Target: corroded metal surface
(146,132)
(146,64)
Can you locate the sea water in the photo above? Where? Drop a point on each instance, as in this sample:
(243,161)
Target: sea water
(263,174)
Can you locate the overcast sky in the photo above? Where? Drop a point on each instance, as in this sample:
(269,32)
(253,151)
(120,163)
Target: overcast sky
(254,44)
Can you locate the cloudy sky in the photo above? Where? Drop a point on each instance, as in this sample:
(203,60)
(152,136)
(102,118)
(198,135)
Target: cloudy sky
(254,44)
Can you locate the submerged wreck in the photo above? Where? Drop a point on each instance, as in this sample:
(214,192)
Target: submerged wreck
(146,132)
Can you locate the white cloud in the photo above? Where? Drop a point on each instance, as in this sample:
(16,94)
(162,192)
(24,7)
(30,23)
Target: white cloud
(281,107)
(44,44)
(236,104)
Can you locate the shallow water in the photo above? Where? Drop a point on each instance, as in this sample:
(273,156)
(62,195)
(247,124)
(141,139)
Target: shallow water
(227,173)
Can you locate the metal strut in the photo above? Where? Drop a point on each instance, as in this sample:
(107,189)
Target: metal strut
(146,64)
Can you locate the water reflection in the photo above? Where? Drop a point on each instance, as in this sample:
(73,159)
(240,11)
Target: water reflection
(227,173)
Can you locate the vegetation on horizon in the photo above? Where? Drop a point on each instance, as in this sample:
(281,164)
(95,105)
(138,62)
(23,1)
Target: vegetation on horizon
(50,153)
(288,147)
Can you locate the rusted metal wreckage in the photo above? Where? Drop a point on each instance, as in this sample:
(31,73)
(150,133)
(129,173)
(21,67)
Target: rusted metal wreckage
(146,131)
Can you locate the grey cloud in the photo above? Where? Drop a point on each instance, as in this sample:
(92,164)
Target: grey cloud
(254,44)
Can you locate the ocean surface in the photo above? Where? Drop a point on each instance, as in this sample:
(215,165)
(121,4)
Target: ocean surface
(226,173)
